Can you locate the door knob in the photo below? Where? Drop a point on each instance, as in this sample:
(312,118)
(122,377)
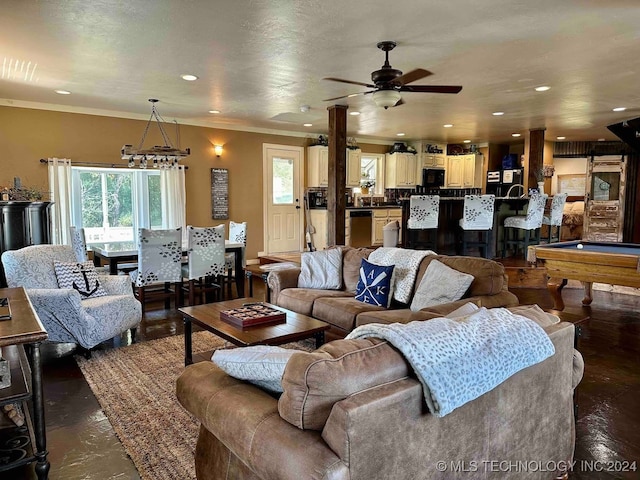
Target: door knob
(297,207)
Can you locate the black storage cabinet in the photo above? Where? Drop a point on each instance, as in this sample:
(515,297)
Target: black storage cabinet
(23,224)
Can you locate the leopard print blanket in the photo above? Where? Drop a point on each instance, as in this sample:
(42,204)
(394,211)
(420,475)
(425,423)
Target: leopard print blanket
(459,360)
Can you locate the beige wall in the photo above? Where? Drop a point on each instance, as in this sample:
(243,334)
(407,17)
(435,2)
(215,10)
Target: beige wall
(28,135)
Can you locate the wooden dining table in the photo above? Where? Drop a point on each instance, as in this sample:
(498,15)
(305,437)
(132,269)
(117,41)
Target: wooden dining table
(114,252)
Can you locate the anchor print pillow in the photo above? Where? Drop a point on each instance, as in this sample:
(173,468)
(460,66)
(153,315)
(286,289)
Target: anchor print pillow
(374,284)
(80,276)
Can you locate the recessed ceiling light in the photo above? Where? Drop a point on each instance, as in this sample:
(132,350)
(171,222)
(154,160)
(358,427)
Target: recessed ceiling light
(447,125)
(188,77)
(561,138)
(497,114)
(619,109)
(400,134)
(307,124)
(354,113)
(466,141)
(353,95)
(63,92)
(601,139)
(214,111)
(542,88)
(515,134)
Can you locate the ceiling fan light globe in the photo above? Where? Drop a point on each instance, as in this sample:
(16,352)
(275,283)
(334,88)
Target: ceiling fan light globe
(386,98)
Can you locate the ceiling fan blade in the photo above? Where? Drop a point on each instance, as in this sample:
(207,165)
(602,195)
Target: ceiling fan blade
(345,96)
(412,76)
(368,85)
(431,88)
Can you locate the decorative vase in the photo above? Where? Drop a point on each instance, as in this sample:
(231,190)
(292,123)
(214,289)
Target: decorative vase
(541,188)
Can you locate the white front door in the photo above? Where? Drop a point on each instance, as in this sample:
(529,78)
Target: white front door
(283,200)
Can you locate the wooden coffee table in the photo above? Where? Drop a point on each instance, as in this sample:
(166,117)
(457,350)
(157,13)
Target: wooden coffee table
(207,316)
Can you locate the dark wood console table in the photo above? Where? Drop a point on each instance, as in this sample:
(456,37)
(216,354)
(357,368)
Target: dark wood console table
(20,339)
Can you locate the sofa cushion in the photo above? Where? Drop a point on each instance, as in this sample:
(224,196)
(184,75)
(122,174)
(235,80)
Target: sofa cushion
(440,284)
(351,261)
(341,312)
(374,286)
(262,365)
(402,315)
(488,276)
(301,300)
(322,269)
(314,382)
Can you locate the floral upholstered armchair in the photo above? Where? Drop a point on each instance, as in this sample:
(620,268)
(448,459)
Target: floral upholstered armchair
(77,315)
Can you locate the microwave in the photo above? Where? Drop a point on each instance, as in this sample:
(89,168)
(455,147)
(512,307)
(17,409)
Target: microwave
(432,177)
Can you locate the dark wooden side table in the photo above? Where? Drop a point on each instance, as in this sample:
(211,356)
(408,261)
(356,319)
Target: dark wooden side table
(20,339)
(578,319)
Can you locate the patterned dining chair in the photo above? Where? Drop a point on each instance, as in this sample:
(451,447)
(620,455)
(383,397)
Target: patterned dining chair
(477,219)
(422,225)
(206,263)
(237,234)
(530,224)
(78,243)
(159,269)
(554,219)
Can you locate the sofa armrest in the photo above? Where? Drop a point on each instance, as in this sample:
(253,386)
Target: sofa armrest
(246,420)
(278,280)
(117,284)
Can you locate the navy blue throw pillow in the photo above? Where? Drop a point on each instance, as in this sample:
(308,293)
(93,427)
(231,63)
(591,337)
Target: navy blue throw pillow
(374,284)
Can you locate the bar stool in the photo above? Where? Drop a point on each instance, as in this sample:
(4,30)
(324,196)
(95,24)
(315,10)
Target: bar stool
(477,218)
(422,225)
(531,222)
(555,217)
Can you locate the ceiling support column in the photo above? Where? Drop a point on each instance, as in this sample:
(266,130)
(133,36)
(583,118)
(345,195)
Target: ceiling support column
(536,152)
(336,200)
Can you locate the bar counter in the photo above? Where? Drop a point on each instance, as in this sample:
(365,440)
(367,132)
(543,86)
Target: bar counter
(451,211)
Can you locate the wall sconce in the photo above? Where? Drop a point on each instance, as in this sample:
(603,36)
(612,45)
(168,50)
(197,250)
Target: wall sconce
(217,150)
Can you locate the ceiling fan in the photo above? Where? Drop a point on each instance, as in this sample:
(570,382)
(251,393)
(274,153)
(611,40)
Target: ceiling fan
(388,82)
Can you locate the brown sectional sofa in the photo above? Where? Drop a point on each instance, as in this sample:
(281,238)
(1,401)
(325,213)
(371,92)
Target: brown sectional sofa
(340,309)
(353,410)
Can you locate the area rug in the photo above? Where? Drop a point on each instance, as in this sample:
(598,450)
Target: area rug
(135,387)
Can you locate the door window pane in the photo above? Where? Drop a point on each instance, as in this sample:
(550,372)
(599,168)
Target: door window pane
(605,186)
(282,181)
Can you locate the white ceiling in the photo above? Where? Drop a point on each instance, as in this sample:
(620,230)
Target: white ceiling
(259,59)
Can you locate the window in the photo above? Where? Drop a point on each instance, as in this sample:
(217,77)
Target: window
(371,170)
(111,204)
(282,181)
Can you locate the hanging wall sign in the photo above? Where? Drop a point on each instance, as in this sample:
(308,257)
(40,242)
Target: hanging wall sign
(220,193)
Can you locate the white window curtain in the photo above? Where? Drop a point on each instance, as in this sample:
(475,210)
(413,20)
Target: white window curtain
(60,188)
(174,199)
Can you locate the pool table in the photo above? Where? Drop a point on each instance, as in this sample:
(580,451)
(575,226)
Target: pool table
(599,262)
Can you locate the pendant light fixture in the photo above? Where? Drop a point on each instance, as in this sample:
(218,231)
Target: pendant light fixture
(159,156)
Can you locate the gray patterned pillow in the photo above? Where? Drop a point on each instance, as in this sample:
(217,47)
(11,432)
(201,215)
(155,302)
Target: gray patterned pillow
(80,276)
(321,269)
(262,365)
(440,284)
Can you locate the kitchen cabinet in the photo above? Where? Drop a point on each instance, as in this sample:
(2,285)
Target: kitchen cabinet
(26,444)
(318,167)
(401,170)
(464,171)
(354,169)
(380,218)
(319,222)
